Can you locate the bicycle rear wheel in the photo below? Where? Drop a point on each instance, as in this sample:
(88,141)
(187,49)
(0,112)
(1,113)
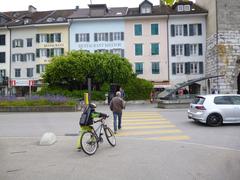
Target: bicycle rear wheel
(110,136)
(89,143)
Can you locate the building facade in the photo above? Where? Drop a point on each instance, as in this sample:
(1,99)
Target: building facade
(4,59)
(187,43)
(223,45)
(164,45)
(146,42)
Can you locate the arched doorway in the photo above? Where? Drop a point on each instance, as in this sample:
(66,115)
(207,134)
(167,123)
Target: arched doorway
(238,83)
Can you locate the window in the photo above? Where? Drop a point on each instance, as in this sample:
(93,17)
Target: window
(29,72)
(17,72)
(155,49)
(235,100)
(193,49)
(138,29)
(2,57)
(101,50)
(186,7)
(138,50)
(57,37)
(154,29)
(177,68)
(100,37)
(180,8)
(195,29)
(30,57)
(17,57)
(17,43)
(194,68)
(179,49)
(58,51)
(145,10)
(223,100)
(139,68)
(155,67)
(82,37)
(116,36)
(2,40)
(2,72)
(120,52)
(179,30)
(40,68)
(29,42)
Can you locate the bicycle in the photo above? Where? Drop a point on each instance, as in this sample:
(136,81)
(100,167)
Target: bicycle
(90,139)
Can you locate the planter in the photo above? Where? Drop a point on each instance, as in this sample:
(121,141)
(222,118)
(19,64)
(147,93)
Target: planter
(38,109)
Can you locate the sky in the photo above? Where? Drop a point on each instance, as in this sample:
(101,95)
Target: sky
(44,5)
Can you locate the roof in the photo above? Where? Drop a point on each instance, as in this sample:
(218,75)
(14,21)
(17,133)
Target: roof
(156,10)
(112,12)
(194,8)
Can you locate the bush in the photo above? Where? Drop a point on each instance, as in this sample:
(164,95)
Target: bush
(137,89)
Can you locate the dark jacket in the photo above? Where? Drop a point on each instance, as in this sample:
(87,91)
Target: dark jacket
(117,104)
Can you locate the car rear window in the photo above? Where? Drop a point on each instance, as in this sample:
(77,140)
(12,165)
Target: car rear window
(198,100)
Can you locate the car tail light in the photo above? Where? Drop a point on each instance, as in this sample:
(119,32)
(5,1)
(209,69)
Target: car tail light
(200,107)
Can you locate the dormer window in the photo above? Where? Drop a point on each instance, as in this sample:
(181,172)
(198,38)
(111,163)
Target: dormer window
(60,19)
(50,19)
(27,21)
(180,8)
(145,10)
(145,7)
(186,7)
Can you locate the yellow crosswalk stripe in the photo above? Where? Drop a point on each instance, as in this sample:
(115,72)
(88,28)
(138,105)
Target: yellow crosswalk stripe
(169,138)
(142,120)
(142,117)
(137,133)
(145,123)
(149,127)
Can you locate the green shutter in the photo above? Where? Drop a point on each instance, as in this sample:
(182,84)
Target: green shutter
(154,29)
(138,49)
(138,29)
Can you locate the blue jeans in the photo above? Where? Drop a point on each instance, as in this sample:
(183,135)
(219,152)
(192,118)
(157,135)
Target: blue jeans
(116,116)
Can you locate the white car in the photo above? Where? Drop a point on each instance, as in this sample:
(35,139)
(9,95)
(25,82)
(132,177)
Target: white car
(215,109)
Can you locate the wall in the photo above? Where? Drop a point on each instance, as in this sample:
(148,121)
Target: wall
(146,39)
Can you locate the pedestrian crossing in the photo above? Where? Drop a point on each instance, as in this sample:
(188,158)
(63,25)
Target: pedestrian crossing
(149,126)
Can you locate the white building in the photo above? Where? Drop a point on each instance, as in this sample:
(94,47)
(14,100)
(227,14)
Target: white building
(4,55)
(187,43)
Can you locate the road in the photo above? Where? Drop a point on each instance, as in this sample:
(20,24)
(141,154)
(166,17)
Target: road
(153,144)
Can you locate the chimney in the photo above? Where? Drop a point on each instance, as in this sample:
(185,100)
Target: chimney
(77,7)
(32,9)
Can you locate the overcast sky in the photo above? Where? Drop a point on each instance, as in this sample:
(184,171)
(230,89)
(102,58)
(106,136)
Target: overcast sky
(42,5)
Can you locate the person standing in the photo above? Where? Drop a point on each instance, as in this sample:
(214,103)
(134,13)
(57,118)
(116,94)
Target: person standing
(117,104)
(122,92)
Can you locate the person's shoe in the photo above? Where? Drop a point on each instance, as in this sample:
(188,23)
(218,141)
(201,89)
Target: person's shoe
(115,132)
(119,128)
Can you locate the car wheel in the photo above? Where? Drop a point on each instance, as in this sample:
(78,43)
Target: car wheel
(214,120)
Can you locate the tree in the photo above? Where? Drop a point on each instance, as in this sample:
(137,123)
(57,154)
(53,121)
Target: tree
(71,71)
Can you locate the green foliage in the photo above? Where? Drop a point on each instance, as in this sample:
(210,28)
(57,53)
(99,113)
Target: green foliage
(71,71)
(137,89)
(39,102)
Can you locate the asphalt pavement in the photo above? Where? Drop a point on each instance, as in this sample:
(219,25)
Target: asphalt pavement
(136,157)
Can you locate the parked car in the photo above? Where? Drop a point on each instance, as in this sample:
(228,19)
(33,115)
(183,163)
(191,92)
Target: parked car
(215,109)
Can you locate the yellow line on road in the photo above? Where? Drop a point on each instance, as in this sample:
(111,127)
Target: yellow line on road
(137,133)
(169,138)
(135,117)
(145,123)
(149,127)
(143,120)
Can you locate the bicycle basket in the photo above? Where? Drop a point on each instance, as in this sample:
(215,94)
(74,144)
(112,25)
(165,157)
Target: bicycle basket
(86,118)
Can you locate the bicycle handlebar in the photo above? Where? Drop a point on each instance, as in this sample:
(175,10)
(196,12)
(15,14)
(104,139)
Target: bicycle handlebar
(101,119)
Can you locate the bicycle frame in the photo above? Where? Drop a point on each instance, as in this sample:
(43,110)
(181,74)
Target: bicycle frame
(99,128)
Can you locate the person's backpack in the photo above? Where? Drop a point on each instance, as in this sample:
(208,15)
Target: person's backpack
(86,119)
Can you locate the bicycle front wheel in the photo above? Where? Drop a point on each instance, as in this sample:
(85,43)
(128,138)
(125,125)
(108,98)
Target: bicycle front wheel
(89,143)
(110,136)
